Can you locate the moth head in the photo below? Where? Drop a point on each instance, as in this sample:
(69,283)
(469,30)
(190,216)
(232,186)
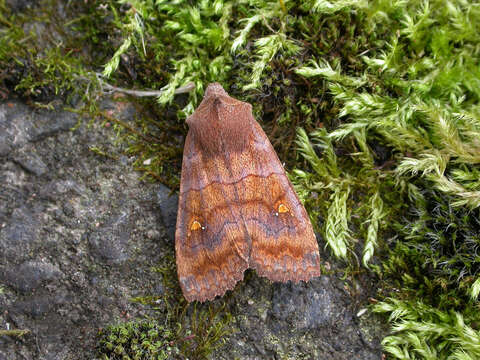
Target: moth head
(208,109)
(220,123)
(214,90)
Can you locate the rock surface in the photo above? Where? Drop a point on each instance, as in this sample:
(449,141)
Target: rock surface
(79,234)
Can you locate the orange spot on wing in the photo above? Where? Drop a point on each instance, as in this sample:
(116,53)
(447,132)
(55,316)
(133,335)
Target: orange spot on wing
(195,225)
(282,209)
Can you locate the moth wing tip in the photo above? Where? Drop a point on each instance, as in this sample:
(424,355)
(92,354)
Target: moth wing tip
(203,293)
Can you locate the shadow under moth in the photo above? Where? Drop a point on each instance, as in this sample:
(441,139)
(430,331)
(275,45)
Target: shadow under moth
(237,208)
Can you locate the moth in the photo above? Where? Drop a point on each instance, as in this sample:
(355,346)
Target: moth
(237,208)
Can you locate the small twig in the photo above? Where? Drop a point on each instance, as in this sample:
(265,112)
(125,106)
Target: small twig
(140,93)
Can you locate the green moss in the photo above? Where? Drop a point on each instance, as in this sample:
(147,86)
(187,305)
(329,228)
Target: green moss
(421,331)
(141,340)
(403,165)
(17,333)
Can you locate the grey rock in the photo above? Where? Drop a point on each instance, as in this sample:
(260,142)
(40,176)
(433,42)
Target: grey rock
(6,138)
(305,306)
(19,125)
(31,274)
(36,306)
(6,355)
(19,234)
(109,243)
(314,320)
(81,206)
(15,120)
(168,204)
(47,123)
(55,188)
(31,162)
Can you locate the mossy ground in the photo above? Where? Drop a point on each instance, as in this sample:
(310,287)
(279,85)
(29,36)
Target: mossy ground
(180,331)
(373,106)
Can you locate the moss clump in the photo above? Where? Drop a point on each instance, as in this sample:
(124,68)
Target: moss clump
(421,331)
(140,340)
(404,163)
(436,260)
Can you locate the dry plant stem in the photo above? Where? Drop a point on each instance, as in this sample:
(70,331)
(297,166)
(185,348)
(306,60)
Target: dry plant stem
(139,93)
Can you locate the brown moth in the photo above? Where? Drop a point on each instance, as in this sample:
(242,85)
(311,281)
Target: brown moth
(237,208)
